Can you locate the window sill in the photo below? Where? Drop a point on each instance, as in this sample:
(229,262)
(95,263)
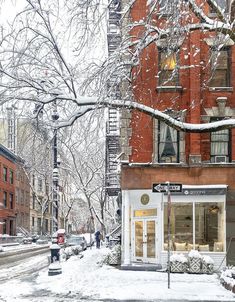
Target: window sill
(228,89)
(169,88)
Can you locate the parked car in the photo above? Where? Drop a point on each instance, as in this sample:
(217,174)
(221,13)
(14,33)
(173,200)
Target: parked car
(77,241)
(89,239)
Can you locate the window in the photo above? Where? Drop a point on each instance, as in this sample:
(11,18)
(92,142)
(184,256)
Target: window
(39,227)
(33,201)
(33,221)
(195,225)
(4,173)
(220,145)
(11,177)
(39,184)
(168,72)
(168,144)
(5,199)
(4,226)
(220,67)
(11,200)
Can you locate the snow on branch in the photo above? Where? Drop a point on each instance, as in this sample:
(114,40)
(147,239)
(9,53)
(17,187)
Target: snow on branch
(92,103)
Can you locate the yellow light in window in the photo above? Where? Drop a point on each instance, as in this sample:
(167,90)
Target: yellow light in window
(169,62)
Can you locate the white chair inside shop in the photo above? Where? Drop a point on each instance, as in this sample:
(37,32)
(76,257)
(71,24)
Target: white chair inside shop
(218,246)
(204,247)
(180,246)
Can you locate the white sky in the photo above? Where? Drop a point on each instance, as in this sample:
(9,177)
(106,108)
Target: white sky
(84,276)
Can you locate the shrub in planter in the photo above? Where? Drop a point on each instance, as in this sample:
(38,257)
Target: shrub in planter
(178,263)
(207,265)
(194,262)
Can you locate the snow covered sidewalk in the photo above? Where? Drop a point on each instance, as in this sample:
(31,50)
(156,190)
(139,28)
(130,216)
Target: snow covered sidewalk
(84,278)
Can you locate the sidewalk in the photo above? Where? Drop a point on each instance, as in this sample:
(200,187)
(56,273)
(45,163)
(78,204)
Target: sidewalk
(85,280)
(106,282)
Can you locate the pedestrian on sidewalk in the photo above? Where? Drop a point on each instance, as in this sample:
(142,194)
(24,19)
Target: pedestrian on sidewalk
(97,239)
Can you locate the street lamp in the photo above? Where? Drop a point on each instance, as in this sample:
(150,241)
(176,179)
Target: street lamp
(55,176)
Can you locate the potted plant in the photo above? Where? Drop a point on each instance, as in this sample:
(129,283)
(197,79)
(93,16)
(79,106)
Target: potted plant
(194,262)
(207,265)
(178,263)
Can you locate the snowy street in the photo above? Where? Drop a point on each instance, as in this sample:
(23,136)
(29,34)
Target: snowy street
(86,280)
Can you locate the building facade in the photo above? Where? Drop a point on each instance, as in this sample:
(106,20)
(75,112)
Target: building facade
(8,214)
(189,76)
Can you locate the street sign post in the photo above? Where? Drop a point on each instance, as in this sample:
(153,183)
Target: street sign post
(161,188)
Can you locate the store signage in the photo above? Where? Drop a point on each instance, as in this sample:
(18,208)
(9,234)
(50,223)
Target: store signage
(163,187)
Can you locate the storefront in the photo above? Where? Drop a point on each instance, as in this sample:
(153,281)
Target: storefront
(197,221)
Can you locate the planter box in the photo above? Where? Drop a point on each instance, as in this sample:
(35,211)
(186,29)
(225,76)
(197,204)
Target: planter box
(114,259)
(195,265)
(207,268)
(178,267)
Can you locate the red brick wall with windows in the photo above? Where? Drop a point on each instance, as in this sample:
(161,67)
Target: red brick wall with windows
(8,212)
(195,95)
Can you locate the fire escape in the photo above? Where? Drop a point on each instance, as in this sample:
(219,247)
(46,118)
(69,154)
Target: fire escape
(112,125)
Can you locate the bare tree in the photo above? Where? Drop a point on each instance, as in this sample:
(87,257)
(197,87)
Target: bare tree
(53,42)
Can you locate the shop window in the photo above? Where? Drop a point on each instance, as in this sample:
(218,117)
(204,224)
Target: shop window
(220,146)
(197,226)
(5,199)
(209,227)
(220,67)
(168,71)
(4,173)
(168,144)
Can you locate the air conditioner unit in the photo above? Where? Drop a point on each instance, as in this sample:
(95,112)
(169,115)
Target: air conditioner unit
(195,159)
(220,159)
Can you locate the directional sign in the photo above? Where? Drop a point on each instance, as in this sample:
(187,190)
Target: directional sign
(160,188)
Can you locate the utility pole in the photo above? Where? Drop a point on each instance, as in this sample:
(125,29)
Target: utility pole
(55,176)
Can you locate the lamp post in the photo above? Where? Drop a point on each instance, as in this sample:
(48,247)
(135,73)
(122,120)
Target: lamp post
(55,176)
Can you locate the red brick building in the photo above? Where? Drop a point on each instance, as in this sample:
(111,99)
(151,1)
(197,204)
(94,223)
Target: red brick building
(8,165)
(192,78)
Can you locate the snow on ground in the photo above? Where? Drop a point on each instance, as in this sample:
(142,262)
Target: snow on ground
(87,278)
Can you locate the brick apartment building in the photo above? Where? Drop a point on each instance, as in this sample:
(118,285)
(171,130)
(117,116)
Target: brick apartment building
(176,76)
(7,191)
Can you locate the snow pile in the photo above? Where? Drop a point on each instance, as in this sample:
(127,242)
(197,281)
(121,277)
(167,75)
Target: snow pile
(228,277)
(179,258)
(1,249)
(194,254)
(207,259)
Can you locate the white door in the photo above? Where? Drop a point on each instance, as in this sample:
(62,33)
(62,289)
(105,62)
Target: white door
(145,240)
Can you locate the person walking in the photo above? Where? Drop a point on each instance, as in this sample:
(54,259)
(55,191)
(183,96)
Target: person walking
(97,239)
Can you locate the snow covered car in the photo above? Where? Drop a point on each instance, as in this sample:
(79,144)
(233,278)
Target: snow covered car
(78,241)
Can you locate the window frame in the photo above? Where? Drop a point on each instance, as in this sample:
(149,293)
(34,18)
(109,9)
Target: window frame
(177,142)
(229,143)
(213,69)
(11,177)
(5,201)
(5,172)
(174,50)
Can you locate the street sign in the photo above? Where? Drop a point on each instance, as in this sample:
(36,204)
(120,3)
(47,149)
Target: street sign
(162,187)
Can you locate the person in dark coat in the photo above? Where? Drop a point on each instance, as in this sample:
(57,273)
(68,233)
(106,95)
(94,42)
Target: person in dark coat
(97,239)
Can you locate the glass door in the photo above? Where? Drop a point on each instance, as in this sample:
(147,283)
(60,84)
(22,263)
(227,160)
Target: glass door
(145,240)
